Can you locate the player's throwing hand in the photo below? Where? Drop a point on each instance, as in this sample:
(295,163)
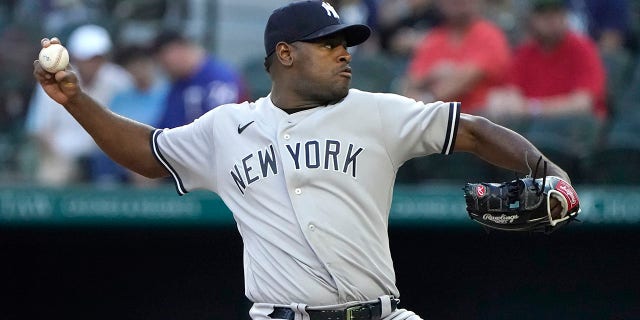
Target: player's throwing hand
(61,86)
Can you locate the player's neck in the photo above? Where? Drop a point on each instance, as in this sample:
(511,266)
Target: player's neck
(291,104)
(294,107)
(294,110)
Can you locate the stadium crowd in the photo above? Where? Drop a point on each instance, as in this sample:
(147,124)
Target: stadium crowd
(564,73)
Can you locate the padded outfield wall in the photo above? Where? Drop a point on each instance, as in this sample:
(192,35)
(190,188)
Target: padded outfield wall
(150,254)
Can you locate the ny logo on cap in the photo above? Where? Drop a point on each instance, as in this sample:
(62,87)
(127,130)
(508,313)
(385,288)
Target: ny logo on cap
(330,10)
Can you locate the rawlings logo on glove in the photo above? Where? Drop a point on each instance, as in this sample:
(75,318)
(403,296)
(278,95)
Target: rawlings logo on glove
(522,204)
(503,219)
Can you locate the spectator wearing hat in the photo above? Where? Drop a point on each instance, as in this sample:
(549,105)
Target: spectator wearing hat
(557,72)
(199,81)
(63,146)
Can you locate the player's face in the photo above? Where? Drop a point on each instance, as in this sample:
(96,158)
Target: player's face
(322,68)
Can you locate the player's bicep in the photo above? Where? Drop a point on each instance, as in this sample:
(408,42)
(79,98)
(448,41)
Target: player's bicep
(467,135)
(480,136)
(153,168)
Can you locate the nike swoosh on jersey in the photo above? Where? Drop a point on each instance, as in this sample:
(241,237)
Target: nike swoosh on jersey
(241,127)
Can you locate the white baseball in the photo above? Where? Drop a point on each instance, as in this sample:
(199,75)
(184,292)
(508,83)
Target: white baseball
(54,58)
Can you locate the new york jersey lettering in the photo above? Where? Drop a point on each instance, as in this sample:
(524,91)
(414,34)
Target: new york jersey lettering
(267,162)
(313,154)
(326,154)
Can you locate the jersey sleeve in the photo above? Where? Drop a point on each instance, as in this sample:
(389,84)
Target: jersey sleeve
(187,152)
(412,128)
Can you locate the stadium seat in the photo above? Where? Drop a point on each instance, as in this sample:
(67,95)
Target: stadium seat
(619,68)
(618,160)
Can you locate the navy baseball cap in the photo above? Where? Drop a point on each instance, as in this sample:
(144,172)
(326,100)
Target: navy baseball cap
(309,20)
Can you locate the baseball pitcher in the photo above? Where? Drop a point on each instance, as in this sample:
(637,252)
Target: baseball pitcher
(308,171)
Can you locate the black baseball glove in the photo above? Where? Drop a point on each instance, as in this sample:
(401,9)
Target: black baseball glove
(522,204)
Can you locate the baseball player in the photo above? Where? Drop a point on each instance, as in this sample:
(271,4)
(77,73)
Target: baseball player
(308,171)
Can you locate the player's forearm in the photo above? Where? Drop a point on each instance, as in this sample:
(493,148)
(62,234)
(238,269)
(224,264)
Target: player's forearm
(502,147)
(123,140)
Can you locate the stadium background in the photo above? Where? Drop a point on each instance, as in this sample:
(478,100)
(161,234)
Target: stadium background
(126,253)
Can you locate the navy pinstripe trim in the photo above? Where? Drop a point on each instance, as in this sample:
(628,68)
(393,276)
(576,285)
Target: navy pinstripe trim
(452,128)
(156,152)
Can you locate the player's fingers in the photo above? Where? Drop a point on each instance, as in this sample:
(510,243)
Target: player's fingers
(45,42)
(65,76)
(68,81)
(39,73)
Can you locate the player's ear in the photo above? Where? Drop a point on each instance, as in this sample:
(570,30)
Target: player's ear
(283,53)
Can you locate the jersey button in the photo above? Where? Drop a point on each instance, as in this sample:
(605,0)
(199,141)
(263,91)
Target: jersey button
(312,227)
(287,137)
(298,191)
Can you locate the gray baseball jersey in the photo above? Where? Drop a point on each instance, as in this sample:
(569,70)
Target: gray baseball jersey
(310,191)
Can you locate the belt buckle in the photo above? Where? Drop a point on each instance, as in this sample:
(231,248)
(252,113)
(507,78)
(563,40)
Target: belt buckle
(358,312)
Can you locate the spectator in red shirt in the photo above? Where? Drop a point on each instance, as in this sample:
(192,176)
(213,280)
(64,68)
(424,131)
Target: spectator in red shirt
(460,60)
(556,72)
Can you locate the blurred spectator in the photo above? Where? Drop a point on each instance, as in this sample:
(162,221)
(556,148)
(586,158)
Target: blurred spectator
(606,21)
(144,102)
(556,72)
(609,24)
(402,24)
(460,60)
(199,81)
(16,85)
(63,146)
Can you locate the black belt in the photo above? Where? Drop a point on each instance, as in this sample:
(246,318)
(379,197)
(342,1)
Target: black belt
(366,311)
